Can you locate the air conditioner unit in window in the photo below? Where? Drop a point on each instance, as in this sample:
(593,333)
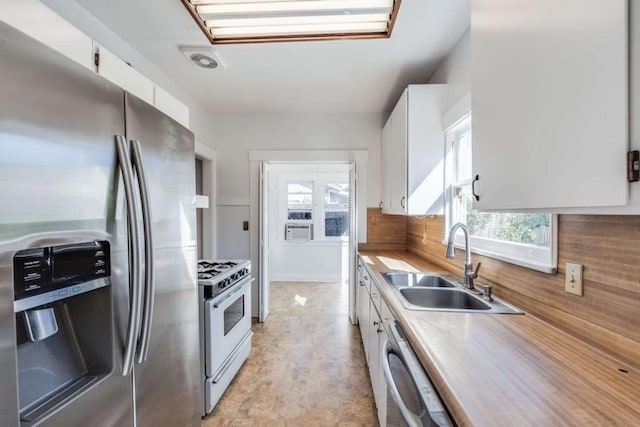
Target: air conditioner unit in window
(298,232)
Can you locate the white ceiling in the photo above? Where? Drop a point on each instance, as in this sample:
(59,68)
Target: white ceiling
(344,76)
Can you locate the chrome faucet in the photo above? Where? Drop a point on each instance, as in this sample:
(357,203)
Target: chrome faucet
(469,273)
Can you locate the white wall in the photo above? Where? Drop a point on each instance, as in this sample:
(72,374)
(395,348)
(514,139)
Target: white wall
(455,71)
(311,261)
(237,134)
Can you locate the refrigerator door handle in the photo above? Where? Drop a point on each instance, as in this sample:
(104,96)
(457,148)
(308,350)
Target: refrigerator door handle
(149,275)
(135,273)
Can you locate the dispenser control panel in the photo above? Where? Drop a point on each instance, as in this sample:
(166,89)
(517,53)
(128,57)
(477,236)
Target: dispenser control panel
(60,271)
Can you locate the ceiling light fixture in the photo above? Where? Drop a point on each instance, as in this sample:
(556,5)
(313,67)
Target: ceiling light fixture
(253,21)
(205,57)
(204,61)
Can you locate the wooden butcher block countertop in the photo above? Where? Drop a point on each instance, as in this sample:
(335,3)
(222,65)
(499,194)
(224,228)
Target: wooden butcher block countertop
(510,370)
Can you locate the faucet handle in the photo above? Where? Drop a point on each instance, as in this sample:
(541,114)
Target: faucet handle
(475,273)
(486,292)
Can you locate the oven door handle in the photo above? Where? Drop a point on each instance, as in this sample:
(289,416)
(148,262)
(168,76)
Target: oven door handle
(227,364)
(235,291)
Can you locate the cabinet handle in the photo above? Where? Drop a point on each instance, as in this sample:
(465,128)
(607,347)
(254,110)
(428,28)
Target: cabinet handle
(376,323)
(380,205)
(473,187)
(402,202)
(379,330)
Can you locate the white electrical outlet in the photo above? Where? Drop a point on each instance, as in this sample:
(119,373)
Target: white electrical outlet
(573,279)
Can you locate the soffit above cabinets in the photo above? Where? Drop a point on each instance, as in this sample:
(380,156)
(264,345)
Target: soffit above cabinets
(259,21)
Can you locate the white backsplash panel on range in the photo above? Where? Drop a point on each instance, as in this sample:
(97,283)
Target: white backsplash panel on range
(225,324)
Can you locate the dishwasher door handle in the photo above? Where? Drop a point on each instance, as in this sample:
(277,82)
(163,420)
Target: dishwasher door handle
(409,417)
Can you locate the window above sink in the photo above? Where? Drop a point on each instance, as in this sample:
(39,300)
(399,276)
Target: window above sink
(525,239)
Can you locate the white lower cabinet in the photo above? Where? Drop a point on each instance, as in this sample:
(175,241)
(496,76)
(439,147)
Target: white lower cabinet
(372,312)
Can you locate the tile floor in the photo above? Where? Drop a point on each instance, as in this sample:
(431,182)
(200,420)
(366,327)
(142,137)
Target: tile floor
(306,368)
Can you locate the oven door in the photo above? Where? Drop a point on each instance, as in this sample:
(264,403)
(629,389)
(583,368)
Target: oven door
(227,320)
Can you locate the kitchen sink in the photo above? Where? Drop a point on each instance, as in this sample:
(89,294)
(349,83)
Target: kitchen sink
(432,292)
(444,299)
(421,280)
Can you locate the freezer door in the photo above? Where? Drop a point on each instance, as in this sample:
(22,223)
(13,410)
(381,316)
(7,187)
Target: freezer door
(59,185)
(167,385)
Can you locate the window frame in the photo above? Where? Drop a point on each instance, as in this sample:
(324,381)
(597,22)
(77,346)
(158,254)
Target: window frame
(521,254)
(313,199)
(323,209)
(318,181)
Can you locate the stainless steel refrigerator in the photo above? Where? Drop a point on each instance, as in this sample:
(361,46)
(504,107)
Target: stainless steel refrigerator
(96,194)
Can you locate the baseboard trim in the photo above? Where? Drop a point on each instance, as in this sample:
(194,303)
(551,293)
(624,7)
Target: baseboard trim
(333,278)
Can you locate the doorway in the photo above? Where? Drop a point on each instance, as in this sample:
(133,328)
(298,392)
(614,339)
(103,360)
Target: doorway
(308,227)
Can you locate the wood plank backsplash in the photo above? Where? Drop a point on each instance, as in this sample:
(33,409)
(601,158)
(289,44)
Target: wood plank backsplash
(607,316)
(385,232)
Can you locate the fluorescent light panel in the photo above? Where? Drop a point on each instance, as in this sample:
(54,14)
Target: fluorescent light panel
(306,29)
(291,6)
(297,20)
(270,20)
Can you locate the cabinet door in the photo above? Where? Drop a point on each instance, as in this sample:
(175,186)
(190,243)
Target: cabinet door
(397,175)
(364,320)
(171,106)
(119,72)
(425,149)
(385,184)
(550,99)
(43,24)
(374,357)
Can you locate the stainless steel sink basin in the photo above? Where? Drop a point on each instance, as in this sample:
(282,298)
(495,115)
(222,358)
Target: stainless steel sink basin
(421,280)
(436,292)
(443,299)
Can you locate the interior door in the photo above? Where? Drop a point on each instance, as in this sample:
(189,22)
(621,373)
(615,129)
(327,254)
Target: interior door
(168,386)
(264,287)
(353,244)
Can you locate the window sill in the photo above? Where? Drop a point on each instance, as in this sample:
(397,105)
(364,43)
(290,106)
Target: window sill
(318,243)
(521,262)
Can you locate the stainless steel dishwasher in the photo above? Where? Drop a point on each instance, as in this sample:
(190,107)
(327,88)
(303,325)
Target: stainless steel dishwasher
(413,400)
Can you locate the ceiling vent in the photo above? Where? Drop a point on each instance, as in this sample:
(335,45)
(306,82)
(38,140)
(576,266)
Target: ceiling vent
(205,57)
(257,21)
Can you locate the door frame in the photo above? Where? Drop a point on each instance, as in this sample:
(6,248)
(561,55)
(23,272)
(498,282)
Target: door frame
(358,157)
(208,157)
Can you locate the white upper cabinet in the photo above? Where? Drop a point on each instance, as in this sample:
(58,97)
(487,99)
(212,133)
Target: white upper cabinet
(34,19)
(549,86)
(385,185)
(38,21)
(171,106)
(413,152)
(119,72)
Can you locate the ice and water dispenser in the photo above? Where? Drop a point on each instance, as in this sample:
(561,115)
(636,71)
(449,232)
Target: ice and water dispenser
(63,317)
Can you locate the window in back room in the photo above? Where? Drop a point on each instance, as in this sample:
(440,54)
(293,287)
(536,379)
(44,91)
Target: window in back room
(300,201)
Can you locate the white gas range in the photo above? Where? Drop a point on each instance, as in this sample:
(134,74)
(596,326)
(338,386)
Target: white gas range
(225,324)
